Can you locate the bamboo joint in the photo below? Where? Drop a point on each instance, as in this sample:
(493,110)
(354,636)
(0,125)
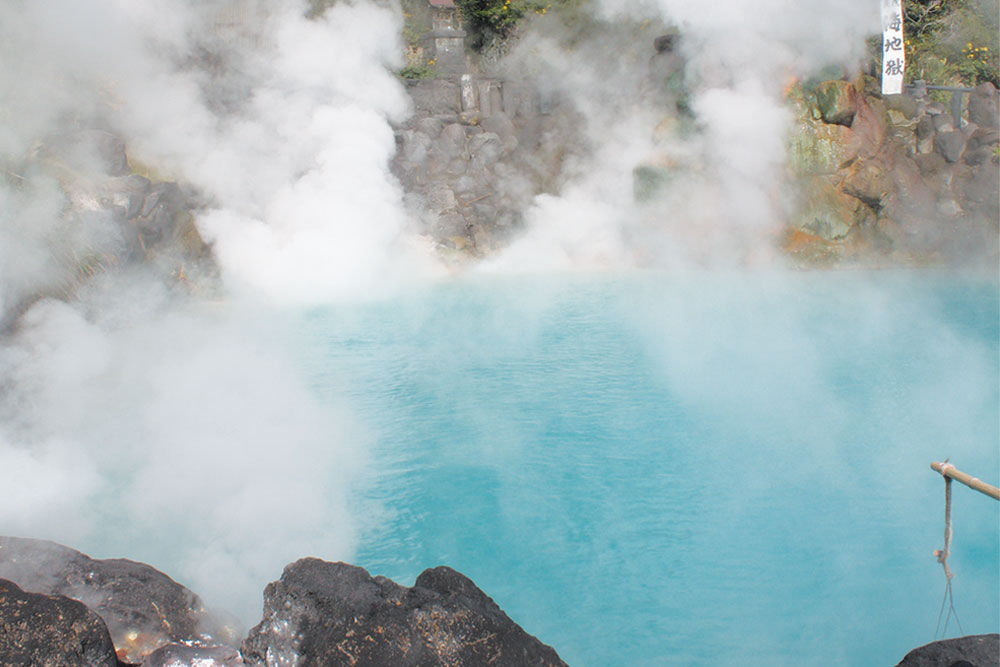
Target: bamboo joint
(950,471)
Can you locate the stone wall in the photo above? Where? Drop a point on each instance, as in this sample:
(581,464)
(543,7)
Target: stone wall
(474,154)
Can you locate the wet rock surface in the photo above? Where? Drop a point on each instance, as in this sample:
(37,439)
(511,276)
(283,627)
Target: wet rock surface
(74,610)
(317,613)
(51,630)
(970,651)
(322,613)
(182,655)
(143,608)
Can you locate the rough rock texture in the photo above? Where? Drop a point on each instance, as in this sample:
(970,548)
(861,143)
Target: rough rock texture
(950,144)
(322,613)
(983,105)
(473,155)
(893,178)
(112,218)
(318,613)
(142,607)
(837,102)
(92,167)
(54,631)
(974,650)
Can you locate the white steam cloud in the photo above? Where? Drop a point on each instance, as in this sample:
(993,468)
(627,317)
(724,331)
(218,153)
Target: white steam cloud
(134,422)
(334,227)
(142,423)
(172,435)
(726,206)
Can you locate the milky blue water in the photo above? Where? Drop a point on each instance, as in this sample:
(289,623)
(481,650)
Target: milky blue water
(701,470)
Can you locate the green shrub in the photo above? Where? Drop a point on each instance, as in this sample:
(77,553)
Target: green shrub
(418,72)
(492,20)
(952,42)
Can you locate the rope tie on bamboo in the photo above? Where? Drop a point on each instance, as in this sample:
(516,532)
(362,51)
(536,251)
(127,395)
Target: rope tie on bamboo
(942,556)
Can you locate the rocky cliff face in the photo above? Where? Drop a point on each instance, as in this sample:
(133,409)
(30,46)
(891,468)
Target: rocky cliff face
(871,180)
(895,179)
(111,218)
(473,155)
(874,180)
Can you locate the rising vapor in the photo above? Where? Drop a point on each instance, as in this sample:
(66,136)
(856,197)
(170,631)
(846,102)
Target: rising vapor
(725,207)
(137,420)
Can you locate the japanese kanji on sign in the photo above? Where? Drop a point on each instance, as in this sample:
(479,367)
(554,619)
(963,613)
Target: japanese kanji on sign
(893,53)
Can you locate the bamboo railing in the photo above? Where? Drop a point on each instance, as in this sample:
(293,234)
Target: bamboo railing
(950,471)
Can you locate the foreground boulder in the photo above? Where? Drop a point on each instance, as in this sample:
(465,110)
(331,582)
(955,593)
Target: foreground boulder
(143,608)
(971,651)
(51,630)
(322,613)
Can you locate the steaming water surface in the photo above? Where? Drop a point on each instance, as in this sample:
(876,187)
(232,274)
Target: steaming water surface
(707,469)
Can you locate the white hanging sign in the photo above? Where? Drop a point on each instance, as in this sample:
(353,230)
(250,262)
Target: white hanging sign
(893,54)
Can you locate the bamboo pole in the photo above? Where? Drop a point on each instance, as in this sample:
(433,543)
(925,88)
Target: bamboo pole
(948,470)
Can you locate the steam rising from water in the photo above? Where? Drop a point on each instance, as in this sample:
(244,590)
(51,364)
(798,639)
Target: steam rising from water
(327,220)
(134,422)
(173,435)
(725,208)
(138,423)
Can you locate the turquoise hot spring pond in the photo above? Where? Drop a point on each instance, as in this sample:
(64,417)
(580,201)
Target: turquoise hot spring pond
(697,469)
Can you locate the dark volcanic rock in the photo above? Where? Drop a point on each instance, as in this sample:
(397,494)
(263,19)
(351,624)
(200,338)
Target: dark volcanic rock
(322,613)
(974,650)
(982,186)
(925,127)
(142,607)
(868,130)
(50,630)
